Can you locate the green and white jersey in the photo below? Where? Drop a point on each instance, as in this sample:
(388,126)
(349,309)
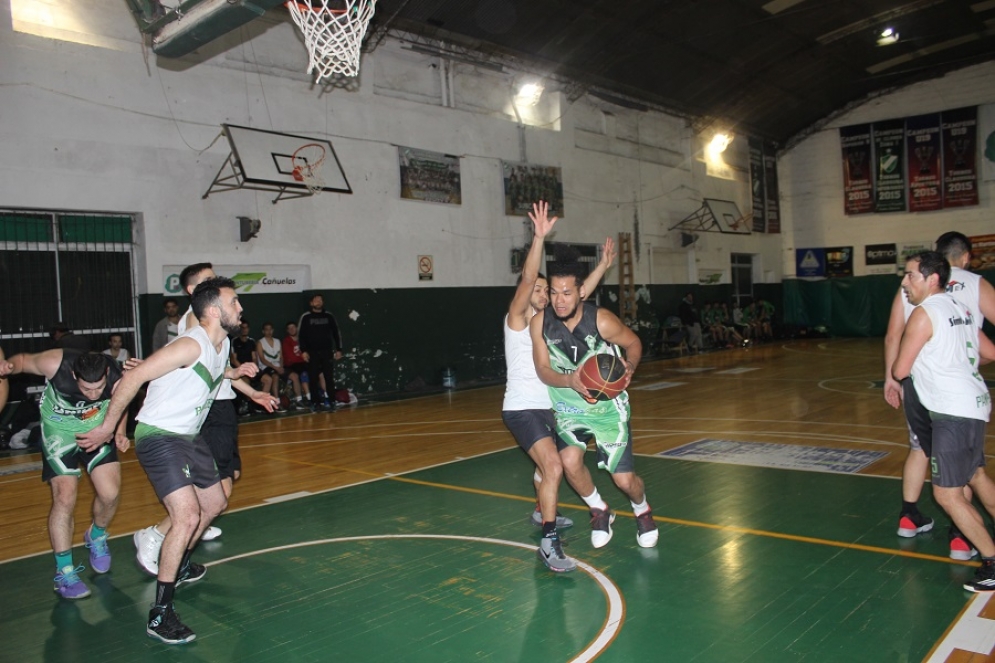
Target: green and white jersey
(65,411)
(178,402)
(568,351)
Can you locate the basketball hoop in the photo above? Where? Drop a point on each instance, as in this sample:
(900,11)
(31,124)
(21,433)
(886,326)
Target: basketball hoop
(307,162)
(333,33)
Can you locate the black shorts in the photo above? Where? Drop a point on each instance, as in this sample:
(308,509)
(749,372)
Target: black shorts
(173,462)
(299,369)
(530,426)
(917,417)
(69,465)
(958,450)
(265,370)
(220,433)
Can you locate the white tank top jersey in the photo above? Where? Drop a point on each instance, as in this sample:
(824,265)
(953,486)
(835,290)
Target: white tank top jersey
(273,352)
(524,391)
(226,393)
(965,287)
(178,402)
(945,373)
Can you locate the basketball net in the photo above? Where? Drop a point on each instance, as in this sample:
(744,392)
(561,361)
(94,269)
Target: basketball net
(307,162)
(333,33)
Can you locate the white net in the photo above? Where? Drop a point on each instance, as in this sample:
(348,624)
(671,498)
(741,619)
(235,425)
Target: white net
(333,33)
(307,162)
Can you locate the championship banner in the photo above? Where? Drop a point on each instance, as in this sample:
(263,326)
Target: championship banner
(889,158)
(839,261)
(922,138)
(982,252)
(857,184)
(880,258)
(960,162)
(758,186)
(986,121)
(429,176)
(773,196)
(906,251)
(249,279)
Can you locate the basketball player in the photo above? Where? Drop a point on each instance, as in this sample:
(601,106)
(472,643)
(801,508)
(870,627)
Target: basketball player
(978,296)
(940,350)
(563,337)
(184,377)
(220,430)
(78,388)
(526,410)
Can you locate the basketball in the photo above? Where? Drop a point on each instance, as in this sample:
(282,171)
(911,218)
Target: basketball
(604,376)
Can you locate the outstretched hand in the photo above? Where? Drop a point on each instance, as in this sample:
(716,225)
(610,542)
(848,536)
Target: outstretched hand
(608,253)
(540,219)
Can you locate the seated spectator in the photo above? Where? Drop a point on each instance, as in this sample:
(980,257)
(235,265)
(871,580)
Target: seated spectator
(295,368)
(243,351)
(766,315)
(114,349)
(269,353)
(740,321)
(713,326)
(691,321)
(725,320)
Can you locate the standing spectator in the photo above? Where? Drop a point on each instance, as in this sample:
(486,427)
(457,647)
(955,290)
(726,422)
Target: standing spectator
(166,329)
(64,338)
(294,365)
(321,347)
(690,319)
(243,351)
(115,351)
(269,355)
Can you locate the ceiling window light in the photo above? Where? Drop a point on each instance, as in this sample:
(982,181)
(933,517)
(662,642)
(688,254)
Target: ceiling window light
(530,92)
(888,36)
(719,143)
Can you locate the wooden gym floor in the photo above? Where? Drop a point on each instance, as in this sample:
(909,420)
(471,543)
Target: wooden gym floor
(398,531)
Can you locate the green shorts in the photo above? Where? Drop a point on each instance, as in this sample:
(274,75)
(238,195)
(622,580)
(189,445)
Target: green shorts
(610,430)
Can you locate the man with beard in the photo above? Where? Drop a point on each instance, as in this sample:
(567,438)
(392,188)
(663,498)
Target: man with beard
(185,377)
(321,346)
(564,336)
(526,410)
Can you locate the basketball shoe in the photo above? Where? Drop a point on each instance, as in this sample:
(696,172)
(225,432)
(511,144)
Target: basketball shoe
(647,533)
(190,573)
(601,527)
(960,548)
(148,541)
(562,522)
(68,585)
(551,553)
(911,524)
(165,626)
(100,554)
(984,579)
(211,533)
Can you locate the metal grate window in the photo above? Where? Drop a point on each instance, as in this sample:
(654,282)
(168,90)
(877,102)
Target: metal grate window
(71,267)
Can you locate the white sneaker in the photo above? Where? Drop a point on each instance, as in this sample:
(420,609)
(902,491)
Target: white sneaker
(601,527)
(147,544)
(19,440)
(210,533)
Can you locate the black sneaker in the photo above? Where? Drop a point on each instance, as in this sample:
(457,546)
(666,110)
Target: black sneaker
(911,524)
(165,626)
(984,579)
(192,572)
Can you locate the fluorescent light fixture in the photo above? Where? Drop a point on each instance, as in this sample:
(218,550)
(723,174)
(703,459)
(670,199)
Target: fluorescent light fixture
(887,36)
(530,92)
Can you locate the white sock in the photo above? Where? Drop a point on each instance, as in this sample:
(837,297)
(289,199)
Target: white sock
(641,508)
(537,477)
(594,501)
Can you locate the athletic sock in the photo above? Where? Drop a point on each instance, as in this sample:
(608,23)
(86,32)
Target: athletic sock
(537,477)
(910,508)
(164,593)
(549,529)
(186,559)
(594,501)
(63,559)
(96,532)
(159,535)
(641,508)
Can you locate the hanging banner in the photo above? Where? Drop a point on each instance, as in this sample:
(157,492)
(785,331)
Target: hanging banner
(758,186)
(982,252)
(986,122)
(839,261)
(880,258)
(922,139)
(889,159)
(773,196)
(906,251)
(858,187)
(960,157)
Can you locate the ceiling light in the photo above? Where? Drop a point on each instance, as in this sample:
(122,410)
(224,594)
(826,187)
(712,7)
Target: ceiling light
(719,143)
(888,36)
(529,93)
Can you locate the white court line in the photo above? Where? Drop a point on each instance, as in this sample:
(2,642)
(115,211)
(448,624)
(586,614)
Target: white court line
(616,605)
(969,633)
(656,386)
(287,497)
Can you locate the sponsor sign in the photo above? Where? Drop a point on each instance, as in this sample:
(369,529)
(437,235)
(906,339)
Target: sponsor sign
(960,162)
(858,185)
(810,263)
(906,251)
(839,261)
(249,279)
(889,164)
(922,140)
(982,252)
(881,258)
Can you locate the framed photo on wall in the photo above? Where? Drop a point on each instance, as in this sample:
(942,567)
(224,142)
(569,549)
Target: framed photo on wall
(526,183)
(429,176)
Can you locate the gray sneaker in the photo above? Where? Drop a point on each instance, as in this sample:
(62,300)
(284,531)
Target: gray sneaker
(562,522)
(551,553)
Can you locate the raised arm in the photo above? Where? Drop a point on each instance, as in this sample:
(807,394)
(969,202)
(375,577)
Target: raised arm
(918,331)
(520,308)
(892,339)
(598,273)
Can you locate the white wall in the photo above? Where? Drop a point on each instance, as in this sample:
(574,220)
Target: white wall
(811,176)
(105,125)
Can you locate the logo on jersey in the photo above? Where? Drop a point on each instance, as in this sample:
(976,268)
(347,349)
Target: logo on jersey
(954,286)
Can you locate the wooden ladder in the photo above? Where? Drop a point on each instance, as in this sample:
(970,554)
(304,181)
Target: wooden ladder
(626,285)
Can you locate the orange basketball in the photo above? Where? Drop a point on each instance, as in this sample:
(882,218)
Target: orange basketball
(604,376)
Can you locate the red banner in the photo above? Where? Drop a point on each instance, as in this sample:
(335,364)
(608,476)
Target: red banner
(922,136)
(960,164)
(857,183)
